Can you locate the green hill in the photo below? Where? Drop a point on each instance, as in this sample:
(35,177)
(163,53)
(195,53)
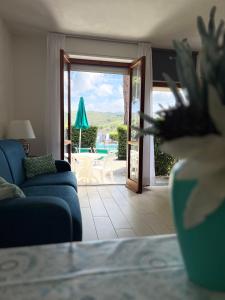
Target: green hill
(106,121)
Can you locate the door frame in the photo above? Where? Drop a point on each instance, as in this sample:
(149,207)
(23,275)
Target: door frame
(103,63)
(131,184)
(64,58)
(99,63)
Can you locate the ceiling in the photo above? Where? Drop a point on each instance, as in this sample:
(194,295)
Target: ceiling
(156,21)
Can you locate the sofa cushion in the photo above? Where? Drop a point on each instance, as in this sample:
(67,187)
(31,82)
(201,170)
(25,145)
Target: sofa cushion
(34,221)
(5,171)
(14,154)
(60,178)
(39,165)
(67,193)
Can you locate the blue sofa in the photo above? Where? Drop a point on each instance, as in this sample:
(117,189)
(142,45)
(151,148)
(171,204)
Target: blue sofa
(50,212)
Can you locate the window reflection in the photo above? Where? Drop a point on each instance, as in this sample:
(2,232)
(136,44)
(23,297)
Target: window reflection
(135,121)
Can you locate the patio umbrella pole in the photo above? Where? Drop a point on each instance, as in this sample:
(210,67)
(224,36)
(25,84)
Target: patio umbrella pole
(80,140)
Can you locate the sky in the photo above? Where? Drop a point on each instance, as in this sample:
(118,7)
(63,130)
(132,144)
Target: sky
(104,92)
(101,92)
(162,98)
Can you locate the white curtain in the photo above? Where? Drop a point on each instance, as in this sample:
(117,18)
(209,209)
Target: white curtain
(145,49)
(55,42)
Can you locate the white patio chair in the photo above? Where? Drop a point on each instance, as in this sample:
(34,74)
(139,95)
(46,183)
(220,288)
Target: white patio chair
(84,170)
(105,168)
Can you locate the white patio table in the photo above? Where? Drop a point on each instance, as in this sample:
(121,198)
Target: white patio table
(140,268)
(89,155)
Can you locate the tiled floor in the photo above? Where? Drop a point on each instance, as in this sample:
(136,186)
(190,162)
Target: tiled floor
(112,211)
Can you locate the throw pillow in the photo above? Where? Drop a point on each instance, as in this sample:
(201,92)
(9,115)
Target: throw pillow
(39,165)
(9,190)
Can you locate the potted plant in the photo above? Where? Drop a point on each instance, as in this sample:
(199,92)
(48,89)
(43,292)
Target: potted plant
(194,131)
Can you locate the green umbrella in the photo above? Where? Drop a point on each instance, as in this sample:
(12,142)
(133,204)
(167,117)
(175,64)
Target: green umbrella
(81,119)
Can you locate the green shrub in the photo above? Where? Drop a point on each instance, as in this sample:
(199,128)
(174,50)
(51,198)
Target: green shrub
(163,161)
(88,137)
(113,135)
(122,142)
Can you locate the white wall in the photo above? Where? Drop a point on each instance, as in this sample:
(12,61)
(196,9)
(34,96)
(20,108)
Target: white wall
(6,77)
(30,85)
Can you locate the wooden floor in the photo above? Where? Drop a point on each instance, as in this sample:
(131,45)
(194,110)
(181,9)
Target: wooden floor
(110,212)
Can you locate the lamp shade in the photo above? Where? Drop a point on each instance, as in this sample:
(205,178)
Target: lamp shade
(20,130)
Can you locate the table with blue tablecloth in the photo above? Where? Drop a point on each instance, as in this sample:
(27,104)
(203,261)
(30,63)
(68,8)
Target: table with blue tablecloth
(140,268)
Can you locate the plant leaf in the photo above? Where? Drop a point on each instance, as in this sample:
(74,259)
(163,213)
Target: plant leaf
(217,110)
(187,72)
(201,27)
(211,27)
(145,117)
(173,87)
(219,30)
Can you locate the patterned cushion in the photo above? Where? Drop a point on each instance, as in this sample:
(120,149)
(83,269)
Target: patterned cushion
(9,190)
(39,165)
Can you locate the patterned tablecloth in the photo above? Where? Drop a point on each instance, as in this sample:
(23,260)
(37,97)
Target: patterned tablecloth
(142,268)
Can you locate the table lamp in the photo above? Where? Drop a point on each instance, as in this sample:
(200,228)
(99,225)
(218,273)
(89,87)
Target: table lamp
(21,130)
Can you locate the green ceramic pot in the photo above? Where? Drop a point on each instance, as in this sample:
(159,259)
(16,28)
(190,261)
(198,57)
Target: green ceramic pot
(202,247)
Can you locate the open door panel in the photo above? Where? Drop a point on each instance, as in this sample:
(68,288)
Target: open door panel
(135,144)
(65,93)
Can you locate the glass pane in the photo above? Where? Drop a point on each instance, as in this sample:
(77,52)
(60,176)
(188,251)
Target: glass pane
(66,153)
(136,100)
(134,162)
(162,98)
(135,121)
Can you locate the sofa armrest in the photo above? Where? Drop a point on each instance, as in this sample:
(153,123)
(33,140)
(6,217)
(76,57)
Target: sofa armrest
(62,166)
(34,221)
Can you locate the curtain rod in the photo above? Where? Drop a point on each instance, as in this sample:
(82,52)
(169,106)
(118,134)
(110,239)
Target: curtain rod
(102,39)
